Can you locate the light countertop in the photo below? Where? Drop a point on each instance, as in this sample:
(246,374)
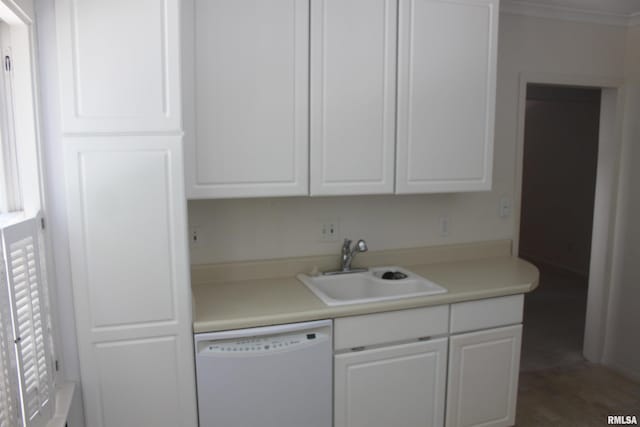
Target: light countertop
(238,304)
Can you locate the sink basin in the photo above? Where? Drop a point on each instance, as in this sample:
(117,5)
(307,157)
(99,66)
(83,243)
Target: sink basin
(370,286)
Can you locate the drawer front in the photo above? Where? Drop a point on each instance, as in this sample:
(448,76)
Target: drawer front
(392,326)
(486,313)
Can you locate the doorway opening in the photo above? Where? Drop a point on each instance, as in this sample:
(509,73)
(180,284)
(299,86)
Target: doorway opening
(560,160)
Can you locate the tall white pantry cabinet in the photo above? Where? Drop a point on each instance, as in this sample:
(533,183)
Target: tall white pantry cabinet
(119,67)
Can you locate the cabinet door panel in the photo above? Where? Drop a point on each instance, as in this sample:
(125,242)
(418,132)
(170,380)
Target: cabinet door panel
(136,244)
(251,98)
(353,56)
(400,386)
(137,383)
(129,261)
(446,95)
(119,65)
(483,378)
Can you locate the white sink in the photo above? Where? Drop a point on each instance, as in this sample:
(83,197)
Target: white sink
(369,286)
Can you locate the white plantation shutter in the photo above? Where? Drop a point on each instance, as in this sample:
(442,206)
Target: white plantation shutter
(30,320)
(9,410)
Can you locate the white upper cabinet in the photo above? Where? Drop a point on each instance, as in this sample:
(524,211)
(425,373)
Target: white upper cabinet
(353,74)
(119,65)
(446,95)
(250,64)
(338,97)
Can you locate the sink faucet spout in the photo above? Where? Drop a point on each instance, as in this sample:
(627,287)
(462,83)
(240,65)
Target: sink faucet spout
(348,253)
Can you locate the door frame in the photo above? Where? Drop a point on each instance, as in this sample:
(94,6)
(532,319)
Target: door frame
(607,176)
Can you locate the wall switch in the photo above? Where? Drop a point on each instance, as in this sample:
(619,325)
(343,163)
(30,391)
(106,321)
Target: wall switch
(444,226)
(330,231)
(505,207)
(195,237)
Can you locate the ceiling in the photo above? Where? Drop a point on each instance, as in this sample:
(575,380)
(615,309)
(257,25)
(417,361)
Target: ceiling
(616,7)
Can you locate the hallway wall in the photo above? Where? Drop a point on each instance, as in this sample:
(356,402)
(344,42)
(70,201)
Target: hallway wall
(559,176)
(622,346)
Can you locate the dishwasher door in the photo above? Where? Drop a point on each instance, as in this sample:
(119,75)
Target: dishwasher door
(276,376)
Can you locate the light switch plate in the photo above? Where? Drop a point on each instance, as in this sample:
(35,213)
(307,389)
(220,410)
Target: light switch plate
(505,207)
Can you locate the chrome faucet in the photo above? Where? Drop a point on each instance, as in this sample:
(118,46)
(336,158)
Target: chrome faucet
(346,257)
(348,253)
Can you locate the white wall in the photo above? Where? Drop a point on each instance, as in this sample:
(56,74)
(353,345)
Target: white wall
(622,345)
(56,200)
(273,228)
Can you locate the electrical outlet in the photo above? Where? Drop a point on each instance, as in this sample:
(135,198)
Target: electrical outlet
(329,231)
(444,226)
(505,207)
(195,237)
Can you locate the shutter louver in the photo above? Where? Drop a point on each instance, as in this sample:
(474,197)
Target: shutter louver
(8,386)
(30,320)
(7,405)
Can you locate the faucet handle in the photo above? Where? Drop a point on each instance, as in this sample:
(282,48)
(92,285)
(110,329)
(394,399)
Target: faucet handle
(360,246)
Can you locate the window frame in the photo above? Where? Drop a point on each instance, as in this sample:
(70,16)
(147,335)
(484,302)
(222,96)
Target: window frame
(11,197)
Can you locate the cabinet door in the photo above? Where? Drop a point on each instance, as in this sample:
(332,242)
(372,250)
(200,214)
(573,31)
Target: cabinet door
(130,269)
(119,65)
(446,95)
(353,63)
(250,60)
(400,386)
(483,378)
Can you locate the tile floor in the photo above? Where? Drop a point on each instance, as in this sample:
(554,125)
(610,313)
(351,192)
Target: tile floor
(557,386)
(554,317)
(575,395)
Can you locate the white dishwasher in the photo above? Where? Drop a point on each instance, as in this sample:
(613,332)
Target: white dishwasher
(274,376)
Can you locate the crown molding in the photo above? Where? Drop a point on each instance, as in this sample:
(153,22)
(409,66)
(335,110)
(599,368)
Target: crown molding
(515,7)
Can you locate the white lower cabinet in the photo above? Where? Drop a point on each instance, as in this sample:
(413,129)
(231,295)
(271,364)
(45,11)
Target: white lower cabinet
(483,377)
(400,385)
(389,372)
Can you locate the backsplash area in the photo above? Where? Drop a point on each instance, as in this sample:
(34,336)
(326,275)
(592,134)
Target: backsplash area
(252,229)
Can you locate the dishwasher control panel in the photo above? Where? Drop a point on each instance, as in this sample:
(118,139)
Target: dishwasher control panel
(259,344)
